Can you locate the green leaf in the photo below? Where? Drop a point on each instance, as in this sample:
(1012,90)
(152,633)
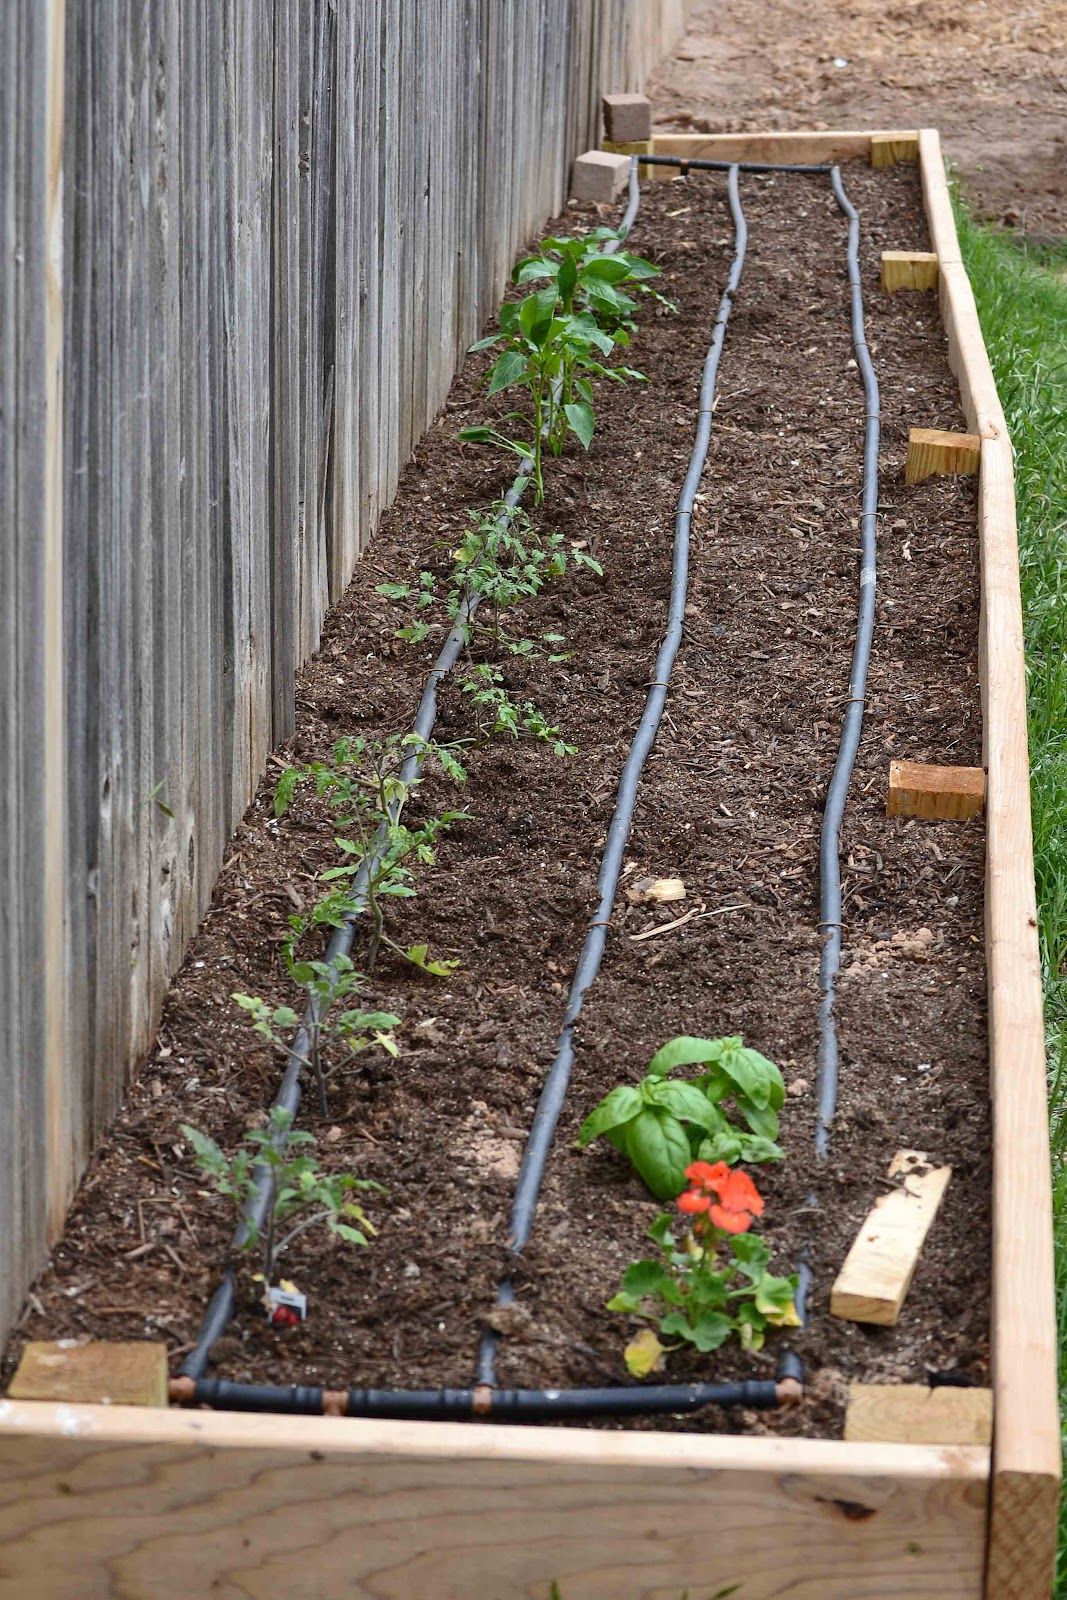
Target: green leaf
(509,369)
(757,1078)
(287,787)
(610,269)
(708,1331)
(484,344)
(536,313)
(658,1147)
(394,591)
(582,421)
(644,1278)
(762,1121)
(685,1051)
(622,1104)
(686,1102)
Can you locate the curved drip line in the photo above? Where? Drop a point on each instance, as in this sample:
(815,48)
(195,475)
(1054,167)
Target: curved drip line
(220,1307)
(554,1089)
(830,902)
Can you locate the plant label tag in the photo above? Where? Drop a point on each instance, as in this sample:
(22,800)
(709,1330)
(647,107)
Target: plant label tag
(292,1305)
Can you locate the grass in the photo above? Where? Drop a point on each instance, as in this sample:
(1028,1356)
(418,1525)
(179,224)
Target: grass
(1022,302)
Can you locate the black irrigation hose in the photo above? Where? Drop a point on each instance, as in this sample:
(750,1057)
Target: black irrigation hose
(554,1089)
(699,165)
(490,1405)
(220,1307)
(830,904)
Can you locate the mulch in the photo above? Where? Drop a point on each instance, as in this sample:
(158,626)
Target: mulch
(731,802)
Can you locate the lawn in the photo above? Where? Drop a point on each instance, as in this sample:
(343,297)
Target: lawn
(1022,301)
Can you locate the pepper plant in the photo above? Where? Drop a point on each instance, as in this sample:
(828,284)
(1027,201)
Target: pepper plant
(712,1280)
(662,1123)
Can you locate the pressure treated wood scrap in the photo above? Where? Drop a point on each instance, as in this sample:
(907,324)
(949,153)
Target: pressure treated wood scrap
(878,1270)
(909,269)
(95,1372)
(889,148)
(911,1413)
(932,451)
(947,794)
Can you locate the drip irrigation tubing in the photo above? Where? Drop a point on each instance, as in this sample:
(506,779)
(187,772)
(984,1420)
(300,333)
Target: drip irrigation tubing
(483,1402)
(698,164)
(554,1089)
(220,1308)
(830,901)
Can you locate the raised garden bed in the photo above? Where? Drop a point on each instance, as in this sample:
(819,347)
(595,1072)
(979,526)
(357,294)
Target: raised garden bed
(97,1501)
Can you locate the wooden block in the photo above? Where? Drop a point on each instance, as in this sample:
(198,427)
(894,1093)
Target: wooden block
(941,794)
(599,175)
(640,147)
(627,116)
(910,1413)
(932,451)
(878,1270)
(909,269)
(889,148)
(94,1372)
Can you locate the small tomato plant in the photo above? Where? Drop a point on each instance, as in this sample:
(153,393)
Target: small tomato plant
(662,1123)
(712,1279)
(302,1194)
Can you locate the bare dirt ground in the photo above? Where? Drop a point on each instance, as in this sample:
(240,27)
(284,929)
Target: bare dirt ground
(991,75)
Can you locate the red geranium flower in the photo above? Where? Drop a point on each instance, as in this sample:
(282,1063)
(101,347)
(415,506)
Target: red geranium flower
(730,1200)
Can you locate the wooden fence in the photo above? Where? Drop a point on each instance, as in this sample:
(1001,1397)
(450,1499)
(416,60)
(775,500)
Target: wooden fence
(243,246)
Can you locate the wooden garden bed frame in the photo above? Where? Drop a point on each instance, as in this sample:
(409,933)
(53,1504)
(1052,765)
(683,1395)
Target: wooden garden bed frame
(103,1501)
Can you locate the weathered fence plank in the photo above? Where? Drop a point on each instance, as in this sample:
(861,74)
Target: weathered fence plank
(242,247)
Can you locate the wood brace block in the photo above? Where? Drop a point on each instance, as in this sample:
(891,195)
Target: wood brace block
(909,269)
(95,1372)
(888,148)
(932,452)
(599,175)
(878,1270)
(627,117)
(940,794)
(910,1413)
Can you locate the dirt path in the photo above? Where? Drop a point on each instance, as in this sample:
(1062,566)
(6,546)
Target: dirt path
(992,76)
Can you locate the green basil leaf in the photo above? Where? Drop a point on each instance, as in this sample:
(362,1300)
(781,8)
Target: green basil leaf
(685,1101)
(658,1147)
(685,1051)
(621,1105)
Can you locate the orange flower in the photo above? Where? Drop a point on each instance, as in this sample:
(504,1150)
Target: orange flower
(730,1199)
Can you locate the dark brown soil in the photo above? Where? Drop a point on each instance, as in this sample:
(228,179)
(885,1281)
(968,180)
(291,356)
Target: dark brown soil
(731,803)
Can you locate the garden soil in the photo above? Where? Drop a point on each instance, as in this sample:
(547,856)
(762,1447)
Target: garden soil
(731,803)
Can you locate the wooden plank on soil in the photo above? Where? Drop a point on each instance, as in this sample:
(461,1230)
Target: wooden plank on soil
(935,451)
(168,1505)
(947,794)
(911,1413)
(877,1273)
(98,1372)
(908,269)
